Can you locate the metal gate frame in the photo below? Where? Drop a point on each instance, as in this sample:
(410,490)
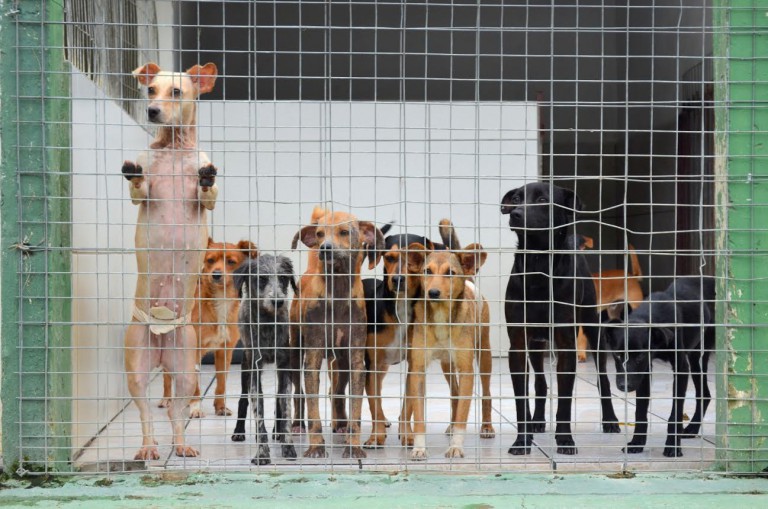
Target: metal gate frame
(35,236)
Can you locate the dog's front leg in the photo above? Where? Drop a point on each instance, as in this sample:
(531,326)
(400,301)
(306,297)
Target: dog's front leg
(283,412)
(246,368)
(459,425)
(672,447)
(636,445)
(610,421)
(518,370)
(566,377)
(538,424)
(137,183)
(257,406)
(207,190)
(356,388)
(313,359)
(415,389)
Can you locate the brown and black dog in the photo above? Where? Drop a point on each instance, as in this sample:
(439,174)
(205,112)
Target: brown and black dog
(328,320)
(452,326)
(214,317)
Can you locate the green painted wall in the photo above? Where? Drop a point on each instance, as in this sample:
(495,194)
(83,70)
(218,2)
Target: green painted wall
(741,74)
(35,211)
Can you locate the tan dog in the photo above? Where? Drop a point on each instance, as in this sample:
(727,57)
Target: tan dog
(215,318)
(451,326)
(329,320)
(610,286)
(174,185)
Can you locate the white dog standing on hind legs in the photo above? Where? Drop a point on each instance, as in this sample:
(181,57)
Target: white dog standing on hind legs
(174,185)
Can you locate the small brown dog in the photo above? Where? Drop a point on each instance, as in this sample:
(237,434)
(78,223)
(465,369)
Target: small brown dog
(174,185)
(451,326)
(610,286)
(328,320)
(215,318)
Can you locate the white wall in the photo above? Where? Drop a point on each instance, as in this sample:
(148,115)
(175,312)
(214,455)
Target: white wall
(414,163)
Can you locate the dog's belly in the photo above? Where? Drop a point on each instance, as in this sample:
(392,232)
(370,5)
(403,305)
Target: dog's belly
(171,233)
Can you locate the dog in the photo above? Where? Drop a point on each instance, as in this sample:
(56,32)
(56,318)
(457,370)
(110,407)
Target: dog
(548,275)
(263,323)
(329,320)
(174,186)
(450,325)
(610,286)
(389,308)
(667,326)
(215,318)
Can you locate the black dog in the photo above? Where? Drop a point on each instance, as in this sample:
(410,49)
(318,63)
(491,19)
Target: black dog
(263,322)
(550,289)
(666,326)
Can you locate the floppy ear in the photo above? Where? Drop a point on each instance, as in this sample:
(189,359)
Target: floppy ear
(417,254)
(146,73)
(240,277)
(662,337)
(472,258)
(373,242)
(286,266)
(307,235)
(249,248)
(204,77)
(571,200)
(506,208)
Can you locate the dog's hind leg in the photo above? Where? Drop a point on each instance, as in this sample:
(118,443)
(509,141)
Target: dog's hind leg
(642,400)
(296,357)
(339,369)
(222,359)
(313,360)
(485,366)
(518,370)
(451,378)
(246,368)
(356,376)
(699,367)
(140,359)
(459,425)
(610,421)
(181,363)
(376,372)
(257,406)
(672,447)
(167,391)
(565,338)
(283,413)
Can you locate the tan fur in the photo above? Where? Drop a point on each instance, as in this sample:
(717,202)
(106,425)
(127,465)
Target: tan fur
(452,328)
(171,236)
(214,317)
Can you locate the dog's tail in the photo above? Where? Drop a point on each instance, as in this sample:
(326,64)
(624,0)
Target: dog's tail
(384,229)
(637,272)
(448,234)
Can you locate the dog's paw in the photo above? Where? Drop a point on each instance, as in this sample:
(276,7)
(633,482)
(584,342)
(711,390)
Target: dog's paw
(147,453)
(406,441)
(316,451)
(419,454)
(288,451)
(354,452)
(673,452)
(207,175)
(262,456)
(387,424)
(611,427)
(521,445)
(487,431)
(223,411)
(375,441)
(132,170)
(196,413)
(691,431)
(581,357)
(566,445)
(186,451)
(633,449)
(238,437)
(454,452)
(164,403)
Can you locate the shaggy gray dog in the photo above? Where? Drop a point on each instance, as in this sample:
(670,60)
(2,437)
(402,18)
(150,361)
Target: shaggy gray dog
(263,322)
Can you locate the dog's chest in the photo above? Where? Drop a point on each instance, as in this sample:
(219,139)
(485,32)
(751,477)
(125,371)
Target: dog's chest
(223,308)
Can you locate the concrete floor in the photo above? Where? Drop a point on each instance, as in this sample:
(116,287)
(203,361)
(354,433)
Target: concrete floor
(114,448)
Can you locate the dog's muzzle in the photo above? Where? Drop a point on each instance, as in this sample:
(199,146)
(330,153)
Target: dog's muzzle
(153,114)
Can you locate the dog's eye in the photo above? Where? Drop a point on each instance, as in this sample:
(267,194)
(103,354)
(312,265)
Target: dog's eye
(450,273)
(176,92)
(320,235)
(344,233)
(542,199)
(210,261)
(428,271)
(390,259)
(151,91)
(230,262)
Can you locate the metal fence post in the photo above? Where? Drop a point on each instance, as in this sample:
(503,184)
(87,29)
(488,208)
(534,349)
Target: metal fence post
(35,282)
(741,43)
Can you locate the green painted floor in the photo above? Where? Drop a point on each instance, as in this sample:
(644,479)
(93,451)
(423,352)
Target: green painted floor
(369,491)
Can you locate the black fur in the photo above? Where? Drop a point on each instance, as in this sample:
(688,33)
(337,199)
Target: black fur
(263,322)
(548,274)
(666,326)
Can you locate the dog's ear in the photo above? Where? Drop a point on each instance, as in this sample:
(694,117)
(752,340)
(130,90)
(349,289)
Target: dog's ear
(570,201)
(210,242)
(373,242)
(662,337)
(249,248)
(472,258)
(384,229)
(203,77)
(146,73)
(448,235)
(417,254)
(286,267)
(506,202)
(307,235)
(240,277)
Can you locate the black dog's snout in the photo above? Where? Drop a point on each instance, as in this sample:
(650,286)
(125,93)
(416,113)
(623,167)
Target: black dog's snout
(398,281)
(434,293)
(153,112)
(216,275)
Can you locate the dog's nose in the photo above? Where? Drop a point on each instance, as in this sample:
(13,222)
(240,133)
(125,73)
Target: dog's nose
(434,293)
(326,250)
(398,281)
(278,303)
(216,275)
(153,112)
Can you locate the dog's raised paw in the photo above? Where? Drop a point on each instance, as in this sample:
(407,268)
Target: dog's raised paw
(353,452)
(207,175)
(238,437)
(131,170)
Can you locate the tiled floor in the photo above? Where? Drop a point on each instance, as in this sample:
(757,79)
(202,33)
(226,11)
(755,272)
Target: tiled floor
(597,452)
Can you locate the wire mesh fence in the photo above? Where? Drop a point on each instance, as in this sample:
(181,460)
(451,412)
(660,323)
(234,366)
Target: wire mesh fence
(290,196)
